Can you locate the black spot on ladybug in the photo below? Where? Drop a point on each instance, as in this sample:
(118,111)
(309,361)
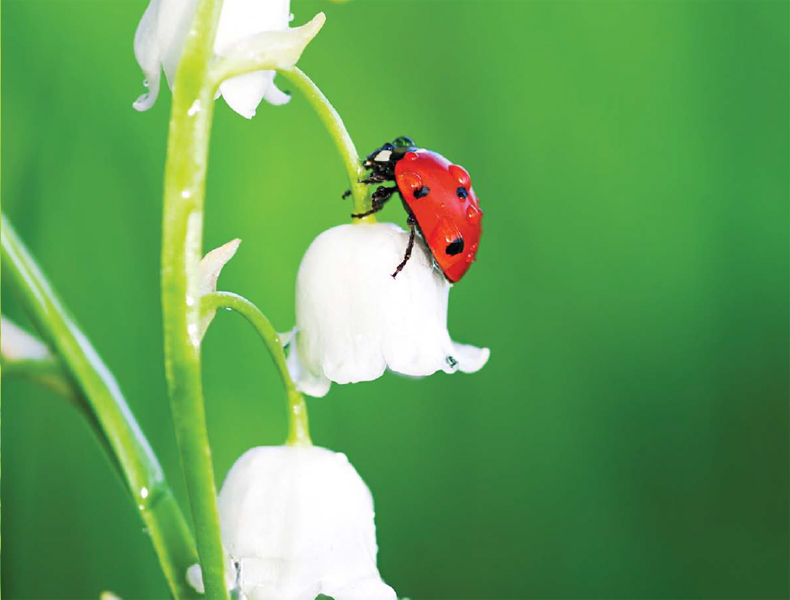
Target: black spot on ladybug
(421,192)
(455,247)
(461,191)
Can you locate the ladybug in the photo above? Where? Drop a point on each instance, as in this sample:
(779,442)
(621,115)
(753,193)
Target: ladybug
(438,197)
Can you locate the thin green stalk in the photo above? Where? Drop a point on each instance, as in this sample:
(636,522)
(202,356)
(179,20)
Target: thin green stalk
(141,471)
(298,430)
(50,372)
(41,369)
(185,176)
(337,129)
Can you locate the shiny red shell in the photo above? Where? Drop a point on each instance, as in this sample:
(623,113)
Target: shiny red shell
(444,213)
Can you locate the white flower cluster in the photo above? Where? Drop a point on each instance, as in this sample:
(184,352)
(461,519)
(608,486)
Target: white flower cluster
(166,24)
(298,521)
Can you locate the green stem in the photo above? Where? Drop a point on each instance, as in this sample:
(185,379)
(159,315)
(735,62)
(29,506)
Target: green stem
(298,430)
(185,176)
(140,469)
(39,369)
(49,372)
(337,129)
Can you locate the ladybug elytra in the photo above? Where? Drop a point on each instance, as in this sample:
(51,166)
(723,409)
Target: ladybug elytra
(438,197)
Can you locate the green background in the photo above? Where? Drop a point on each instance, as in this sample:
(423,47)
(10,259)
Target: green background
(629,436)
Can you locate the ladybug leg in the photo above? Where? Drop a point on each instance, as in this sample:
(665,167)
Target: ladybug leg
(379,198)
(412,222)
(374,178)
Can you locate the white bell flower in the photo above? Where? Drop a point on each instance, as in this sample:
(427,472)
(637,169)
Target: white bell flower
(163,30)
(298,522)
(354,320)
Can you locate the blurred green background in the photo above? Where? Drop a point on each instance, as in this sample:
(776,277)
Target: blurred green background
(629,437)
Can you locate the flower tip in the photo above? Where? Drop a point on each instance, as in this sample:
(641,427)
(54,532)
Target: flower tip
(275,97)
(469,359)
(143,102)
(212,263)
(312,27)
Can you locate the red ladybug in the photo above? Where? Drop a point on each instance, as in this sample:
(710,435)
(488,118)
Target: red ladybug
(438,197)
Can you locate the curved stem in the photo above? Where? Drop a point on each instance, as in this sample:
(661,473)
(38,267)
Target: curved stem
(299,432)
(337,129)
(185,176)
(50,373)
(140,469)
(48,370)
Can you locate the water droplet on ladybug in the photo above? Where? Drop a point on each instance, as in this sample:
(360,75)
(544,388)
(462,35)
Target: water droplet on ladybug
(474,247)
(473,214)
(410,156)
(470,257)
(460,175)
(442,206)
(411,180)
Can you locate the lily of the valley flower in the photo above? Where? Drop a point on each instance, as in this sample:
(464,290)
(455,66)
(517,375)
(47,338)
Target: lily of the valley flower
(298,522)
(165,25)
(354,320)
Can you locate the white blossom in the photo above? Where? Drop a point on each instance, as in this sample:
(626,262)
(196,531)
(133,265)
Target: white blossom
(164,28)
(298,522)
(354,320)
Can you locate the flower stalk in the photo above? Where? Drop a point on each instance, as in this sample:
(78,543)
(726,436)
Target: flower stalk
(298,430)
(99,396)
(185,176)
(337,129)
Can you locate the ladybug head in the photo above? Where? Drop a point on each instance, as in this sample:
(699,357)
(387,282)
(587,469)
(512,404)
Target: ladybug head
(403,141)
(391,152)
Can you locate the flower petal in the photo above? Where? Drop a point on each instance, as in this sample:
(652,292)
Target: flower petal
(158,41)
(148,55)
(470,359)
(245,92)
(316,385)
(268,50)
(275,97)
(368,589)
(242,18)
